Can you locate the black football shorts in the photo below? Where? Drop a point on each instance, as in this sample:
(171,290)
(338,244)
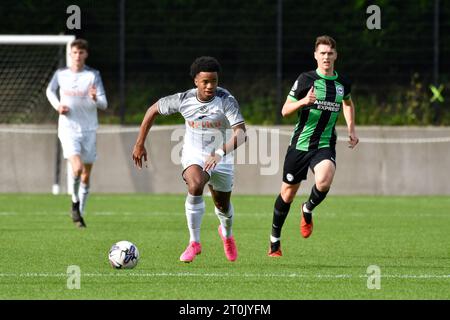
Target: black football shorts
(296,162)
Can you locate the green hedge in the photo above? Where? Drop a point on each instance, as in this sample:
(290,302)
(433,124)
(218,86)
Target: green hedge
(394,106)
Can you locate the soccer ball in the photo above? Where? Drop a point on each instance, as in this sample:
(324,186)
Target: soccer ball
(123,255)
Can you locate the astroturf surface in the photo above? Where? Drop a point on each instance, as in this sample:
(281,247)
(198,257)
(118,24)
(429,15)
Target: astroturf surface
(406,238)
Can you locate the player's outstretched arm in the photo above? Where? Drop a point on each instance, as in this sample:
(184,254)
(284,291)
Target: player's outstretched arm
(291,106)
(349,114)
(238,137)
(139,150)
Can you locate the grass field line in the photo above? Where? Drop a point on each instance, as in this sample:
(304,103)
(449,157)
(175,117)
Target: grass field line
(218,275)
(245,214)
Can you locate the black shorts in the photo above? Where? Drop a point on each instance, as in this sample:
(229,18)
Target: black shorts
(296,162)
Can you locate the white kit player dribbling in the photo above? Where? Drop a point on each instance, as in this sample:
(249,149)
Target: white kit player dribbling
(81,93)
(207,124)
(214,128)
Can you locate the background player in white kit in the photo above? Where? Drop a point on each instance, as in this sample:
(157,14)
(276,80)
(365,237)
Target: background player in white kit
(209,111)
(81,92)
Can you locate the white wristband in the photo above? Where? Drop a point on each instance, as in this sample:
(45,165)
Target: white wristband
(220,152)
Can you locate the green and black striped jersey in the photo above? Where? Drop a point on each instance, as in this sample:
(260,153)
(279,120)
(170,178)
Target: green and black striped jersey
(315,128)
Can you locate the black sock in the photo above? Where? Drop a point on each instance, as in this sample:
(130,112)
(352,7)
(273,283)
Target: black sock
(280,212)
(274,246)
(315,198)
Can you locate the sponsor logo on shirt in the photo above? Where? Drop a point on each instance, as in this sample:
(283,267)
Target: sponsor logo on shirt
(328,105)
(204,124)
(75,93)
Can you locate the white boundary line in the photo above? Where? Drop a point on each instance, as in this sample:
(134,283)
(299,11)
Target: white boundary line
(119,273)
(242,214)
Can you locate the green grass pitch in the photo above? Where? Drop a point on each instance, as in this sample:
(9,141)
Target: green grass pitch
(408,238)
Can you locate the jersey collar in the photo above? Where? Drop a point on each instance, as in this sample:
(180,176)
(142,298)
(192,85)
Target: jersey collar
(196,97)
(327,77)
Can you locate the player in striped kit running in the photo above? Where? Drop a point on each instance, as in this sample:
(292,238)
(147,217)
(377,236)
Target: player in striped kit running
(318,97)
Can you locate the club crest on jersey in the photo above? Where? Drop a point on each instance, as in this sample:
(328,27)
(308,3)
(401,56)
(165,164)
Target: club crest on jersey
(203,109)
(340,90)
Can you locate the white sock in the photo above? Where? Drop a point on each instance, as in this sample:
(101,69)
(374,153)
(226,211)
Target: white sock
(226,220)
(195,208)
(83,194)
(76,186)
(273,239)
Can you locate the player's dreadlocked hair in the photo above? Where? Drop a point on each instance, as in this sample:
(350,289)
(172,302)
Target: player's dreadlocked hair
(205,64)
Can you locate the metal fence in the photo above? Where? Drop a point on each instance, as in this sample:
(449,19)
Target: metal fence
(144,48)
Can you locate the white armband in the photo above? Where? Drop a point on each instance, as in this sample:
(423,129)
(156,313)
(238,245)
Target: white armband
(220,152)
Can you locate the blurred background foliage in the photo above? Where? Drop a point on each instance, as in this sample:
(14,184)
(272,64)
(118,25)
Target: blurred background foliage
(391,69)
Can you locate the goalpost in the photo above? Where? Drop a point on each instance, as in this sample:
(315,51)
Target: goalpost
(27,63)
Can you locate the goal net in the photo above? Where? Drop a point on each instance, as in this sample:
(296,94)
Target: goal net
(27,62)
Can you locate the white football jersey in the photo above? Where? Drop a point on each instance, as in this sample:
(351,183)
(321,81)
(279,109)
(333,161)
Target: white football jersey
(208,124)
(73,92)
